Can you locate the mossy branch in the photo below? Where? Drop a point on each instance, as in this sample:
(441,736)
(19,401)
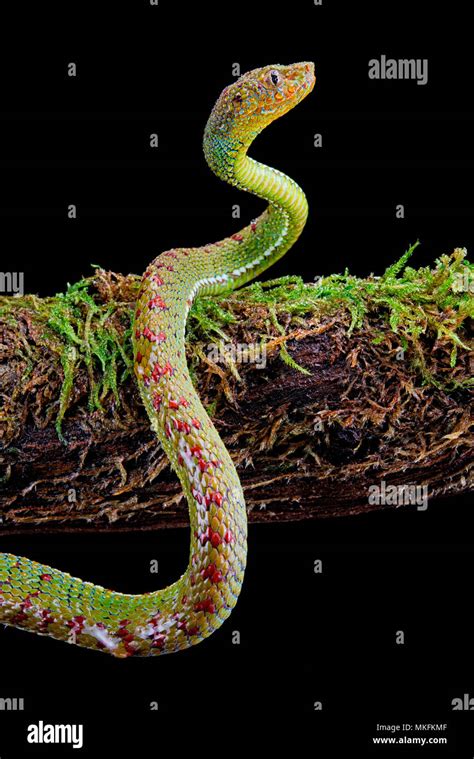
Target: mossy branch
(357,373)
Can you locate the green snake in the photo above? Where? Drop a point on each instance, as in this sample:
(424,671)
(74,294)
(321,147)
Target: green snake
(47,601)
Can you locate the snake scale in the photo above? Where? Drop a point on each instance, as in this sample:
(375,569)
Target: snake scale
(47,601)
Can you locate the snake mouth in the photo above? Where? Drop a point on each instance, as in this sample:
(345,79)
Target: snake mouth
(300,81)
(309,77)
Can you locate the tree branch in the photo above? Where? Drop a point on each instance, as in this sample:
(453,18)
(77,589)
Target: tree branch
(386,397)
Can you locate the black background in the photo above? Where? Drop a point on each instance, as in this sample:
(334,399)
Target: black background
(305,637)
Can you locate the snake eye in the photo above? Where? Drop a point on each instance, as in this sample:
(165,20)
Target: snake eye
(274,77)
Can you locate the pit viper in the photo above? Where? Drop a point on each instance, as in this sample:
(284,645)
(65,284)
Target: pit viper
(47,601)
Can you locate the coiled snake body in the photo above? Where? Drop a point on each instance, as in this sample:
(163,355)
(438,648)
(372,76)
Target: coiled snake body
(50,602)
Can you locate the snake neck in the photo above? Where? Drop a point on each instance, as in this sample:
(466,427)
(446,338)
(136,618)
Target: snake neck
(275,230)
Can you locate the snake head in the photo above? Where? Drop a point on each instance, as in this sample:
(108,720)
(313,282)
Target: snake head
(247,106)
(259,97)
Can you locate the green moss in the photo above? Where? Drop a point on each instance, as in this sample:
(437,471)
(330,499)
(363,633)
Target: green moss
(410,302)
(284,355)
(68,362)
(88,336)
(88,333)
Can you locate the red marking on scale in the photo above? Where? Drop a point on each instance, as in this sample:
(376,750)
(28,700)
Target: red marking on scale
(156,372)
(196,423)
(213,537)
(237,237)
(182,426)
(204,537)
(153,337)
(205,605)
(46,578)
(213,496)
(19,618)
(217,498)
(157,302)
(159,641)
(211,572)
(159,371)
(77,624)
(46,618)
(156,401)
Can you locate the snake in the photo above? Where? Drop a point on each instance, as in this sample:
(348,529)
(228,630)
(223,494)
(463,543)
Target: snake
(40,599)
